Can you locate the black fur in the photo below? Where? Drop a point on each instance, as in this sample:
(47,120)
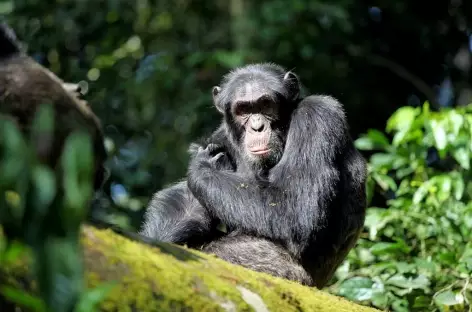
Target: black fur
(296,215)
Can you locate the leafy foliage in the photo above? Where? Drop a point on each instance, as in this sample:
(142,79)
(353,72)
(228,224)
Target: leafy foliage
(417,254)
(148,67)
(44,215)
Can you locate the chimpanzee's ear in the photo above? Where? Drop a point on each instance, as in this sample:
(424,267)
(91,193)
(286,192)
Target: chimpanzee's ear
(215,92)
(292,83)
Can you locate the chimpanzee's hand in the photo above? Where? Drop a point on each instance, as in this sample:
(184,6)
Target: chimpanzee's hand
(213,156)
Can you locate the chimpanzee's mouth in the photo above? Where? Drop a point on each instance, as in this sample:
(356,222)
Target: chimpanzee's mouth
(260,152)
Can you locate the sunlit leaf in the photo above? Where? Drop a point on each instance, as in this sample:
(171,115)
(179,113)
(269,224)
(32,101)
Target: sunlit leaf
(456,122)
(439,134)
(385,182)
(462,155)
(444,184)
(385,248)
(380,299)
(379,160)
(420,282)
(376,219)
(399,137)
(402,119)
(448,298)
(357,289)
(458,186)
(426,265)
(364,143)
(421,192)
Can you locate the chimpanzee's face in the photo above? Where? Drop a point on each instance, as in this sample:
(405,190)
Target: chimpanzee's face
(257,106)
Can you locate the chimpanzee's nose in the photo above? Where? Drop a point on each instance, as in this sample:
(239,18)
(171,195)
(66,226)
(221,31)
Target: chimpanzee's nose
(257,124)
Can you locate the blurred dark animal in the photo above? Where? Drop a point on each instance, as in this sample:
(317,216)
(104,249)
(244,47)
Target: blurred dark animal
(25,84)
(281,173)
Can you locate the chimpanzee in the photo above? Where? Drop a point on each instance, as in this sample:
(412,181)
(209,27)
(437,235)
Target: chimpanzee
(281,172)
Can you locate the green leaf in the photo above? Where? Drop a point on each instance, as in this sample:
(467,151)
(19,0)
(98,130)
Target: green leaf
(378,138)
(444,184)
(365,256)
(6,7)
(448,258)
(405,267)
(370,189)
(373,140)
(402,119)
(364,144)
(462,156)
(13,251)
(357,289)
(439,134)
(400,305)
(14,152)
(22,298)
(422,302)
(382,160)
(426,265)
(385,182)
(399,137)
(376,219)
(44,182)
(77,161)
(402,173)
(459,186)
(448,298)
(93,297)
(420,282)
(456,122)
(380,299)
(383,248)
(421,192)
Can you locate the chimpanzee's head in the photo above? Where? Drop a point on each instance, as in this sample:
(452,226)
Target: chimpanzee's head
(257,101)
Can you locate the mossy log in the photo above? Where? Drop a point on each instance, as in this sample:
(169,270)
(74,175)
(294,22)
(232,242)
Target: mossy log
(167,277)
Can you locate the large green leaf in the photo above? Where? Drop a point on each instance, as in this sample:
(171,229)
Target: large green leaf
(420,282)
(449,298)
(357,288)
(439,133)
(402,119)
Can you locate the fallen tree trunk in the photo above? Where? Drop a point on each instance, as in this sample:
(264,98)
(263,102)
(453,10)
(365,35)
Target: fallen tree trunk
(166,277)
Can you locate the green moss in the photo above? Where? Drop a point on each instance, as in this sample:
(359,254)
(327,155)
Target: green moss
(177,277)
(172,278)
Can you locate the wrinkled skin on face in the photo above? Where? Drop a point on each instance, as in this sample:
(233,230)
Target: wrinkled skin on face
(257,103)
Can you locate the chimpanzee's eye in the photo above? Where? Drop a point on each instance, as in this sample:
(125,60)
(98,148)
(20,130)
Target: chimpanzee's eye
(241,108)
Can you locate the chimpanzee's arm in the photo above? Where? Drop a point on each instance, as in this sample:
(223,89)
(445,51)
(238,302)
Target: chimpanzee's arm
(301,186)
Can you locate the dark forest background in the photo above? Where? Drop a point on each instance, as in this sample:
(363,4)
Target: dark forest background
(148,67)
